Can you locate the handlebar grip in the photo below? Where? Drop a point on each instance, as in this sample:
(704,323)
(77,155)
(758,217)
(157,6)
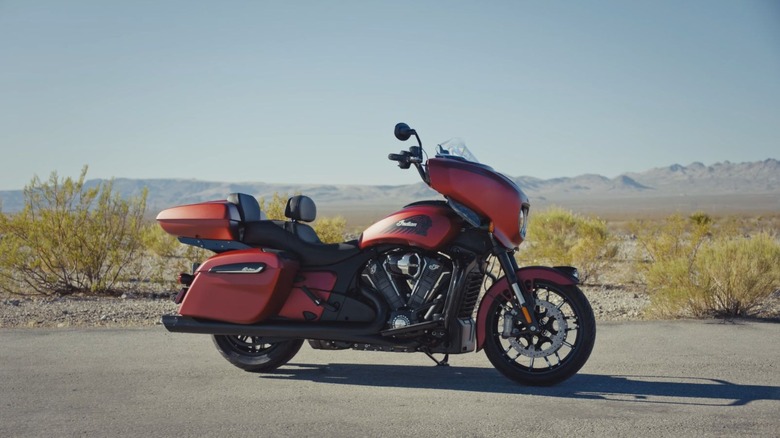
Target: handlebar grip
(396,157)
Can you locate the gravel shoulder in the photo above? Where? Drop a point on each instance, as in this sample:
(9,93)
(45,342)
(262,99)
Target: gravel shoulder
(143,310)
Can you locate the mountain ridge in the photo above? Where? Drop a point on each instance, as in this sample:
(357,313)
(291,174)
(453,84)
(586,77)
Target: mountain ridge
(746,178)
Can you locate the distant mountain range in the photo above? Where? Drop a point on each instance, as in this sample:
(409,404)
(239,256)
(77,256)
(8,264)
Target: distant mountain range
(694,181)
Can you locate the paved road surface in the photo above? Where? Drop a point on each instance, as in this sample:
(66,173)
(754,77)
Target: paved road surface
(643,379)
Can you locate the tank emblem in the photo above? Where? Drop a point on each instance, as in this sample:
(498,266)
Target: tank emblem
(419,225)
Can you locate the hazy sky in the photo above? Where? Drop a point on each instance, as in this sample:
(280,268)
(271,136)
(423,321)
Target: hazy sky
(309,91)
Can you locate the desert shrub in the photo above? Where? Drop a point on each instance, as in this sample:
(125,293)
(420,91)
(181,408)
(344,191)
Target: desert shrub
(159,243)
(668,251)
(165,256)
(69,238)
(735,275)
(274,207)
(331,229)
(561,237)
(675,238)
(693,267)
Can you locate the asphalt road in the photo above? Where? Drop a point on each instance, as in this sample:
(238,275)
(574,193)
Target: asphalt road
(643,379)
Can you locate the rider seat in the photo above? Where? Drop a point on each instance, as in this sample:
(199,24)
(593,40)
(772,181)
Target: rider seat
(293,235)
(299,209)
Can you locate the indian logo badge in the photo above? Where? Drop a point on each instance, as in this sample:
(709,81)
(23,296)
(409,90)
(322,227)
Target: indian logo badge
(419,225)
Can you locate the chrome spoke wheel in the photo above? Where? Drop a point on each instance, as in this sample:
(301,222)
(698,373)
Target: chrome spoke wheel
(553,353)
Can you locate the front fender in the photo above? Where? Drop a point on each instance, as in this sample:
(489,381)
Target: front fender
(501,287)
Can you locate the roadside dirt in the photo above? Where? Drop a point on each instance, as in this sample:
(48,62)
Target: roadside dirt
(137,310)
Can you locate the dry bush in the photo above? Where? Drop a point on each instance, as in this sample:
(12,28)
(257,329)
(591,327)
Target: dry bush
(159,243)
(675,238)
(736,275)
(695,267)
(274,207)
(165,257)
(331,229)
(69,238)
(561,237)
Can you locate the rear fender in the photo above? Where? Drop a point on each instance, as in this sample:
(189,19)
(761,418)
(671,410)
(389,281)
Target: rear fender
(528,275)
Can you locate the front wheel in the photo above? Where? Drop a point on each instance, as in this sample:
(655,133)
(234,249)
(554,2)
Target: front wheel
(560,349)
(253,353)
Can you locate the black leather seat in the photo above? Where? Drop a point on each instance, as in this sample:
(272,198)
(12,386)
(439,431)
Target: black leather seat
(292,236)
(248,207)
(269,234)
(301,208)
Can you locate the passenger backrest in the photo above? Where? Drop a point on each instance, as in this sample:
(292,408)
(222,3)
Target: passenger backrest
(301,208)
(248,207)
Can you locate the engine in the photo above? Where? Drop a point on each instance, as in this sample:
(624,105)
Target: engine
(413,284)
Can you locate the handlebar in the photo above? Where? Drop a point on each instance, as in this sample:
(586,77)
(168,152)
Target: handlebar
(396,157)
(413,156)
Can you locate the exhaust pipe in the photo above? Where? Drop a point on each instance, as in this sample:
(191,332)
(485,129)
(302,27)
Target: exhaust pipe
(335,331)
(354,333)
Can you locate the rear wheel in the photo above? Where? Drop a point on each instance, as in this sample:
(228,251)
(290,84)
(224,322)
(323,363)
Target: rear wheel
(560,349)
(253,353)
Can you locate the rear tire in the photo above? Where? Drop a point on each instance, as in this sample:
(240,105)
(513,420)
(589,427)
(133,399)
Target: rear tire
(252,353)
(558,352)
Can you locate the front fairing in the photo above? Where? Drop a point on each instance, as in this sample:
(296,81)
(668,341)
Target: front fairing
(483,190)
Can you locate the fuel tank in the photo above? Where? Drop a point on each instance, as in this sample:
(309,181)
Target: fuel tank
(427,225)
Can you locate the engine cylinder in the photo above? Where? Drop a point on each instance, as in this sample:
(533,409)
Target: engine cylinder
(410,283)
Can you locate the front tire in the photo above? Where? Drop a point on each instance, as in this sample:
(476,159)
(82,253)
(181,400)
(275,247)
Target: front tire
(252,353)
(552,356)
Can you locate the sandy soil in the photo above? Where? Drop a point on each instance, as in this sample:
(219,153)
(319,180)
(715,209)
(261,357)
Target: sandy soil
(609,303)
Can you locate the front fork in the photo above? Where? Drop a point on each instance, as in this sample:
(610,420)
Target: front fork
(523,298)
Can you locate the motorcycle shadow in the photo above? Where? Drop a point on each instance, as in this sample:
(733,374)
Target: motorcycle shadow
(624,388)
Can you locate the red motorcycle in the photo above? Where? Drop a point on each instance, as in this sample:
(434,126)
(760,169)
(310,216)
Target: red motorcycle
(423,279)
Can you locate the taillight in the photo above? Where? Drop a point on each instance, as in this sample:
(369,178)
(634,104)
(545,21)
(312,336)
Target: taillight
(185,279)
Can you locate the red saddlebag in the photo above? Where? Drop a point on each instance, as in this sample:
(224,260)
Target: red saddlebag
(242,287)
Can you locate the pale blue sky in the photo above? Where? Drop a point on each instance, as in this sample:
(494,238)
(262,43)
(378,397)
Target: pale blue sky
(309,92)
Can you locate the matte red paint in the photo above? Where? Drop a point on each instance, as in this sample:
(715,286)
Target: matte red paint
(319,283)
(239,298)
(444,225)
(483,190)
(530,273)
(206,220)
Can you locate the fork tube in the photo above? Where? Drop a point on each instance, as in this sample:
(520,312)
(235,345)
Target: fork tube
(523,296)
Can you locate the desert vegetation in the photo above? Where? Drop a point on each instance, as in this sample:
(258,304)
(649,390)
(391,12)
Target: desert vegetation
(70,238)
(690,266)
(562,237)
(695,266)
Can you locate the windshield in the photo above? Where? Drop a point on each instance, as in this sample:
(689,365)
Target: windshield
(455,147)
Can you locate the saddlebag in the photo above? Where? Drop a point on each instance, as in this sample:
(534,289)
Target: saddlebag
(242,287)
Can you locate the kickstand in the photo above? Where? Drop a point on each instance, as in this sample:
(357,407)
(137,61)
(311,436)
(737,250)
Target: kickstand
(442,363)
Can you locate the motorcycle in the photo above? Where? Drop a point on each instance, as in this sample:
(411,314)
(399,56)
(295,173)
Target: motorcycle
(437,277)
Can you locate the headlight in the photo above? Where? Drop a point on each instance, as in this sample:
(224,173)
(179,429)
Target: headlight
(522,221)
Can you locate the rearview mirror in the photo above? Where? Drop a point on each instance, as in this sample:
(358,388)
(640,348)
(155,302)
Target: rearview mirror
(403,131)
